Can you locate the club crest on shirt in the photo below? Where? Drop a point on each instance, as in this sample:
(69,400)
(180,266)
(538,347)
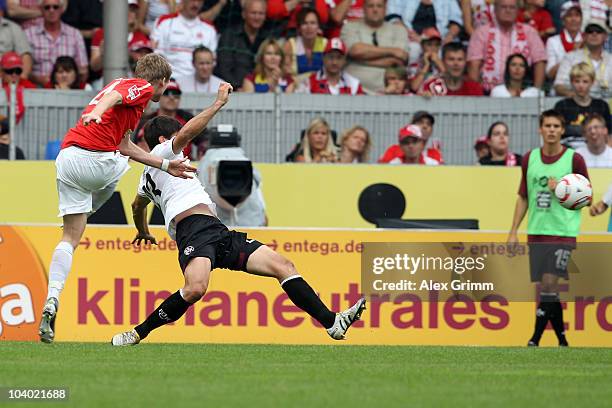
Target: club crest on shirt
(133,92)
(128,133)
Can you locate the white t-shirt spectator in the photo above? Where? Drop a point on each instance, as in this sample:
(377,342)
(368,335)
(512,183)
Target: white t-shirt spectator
(599,160)
(175,38)
(603,71)
(190,84)
(500,91)
(556,51)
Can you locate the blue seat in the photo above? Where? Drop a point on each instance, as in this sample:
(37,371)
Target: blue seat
(52,150)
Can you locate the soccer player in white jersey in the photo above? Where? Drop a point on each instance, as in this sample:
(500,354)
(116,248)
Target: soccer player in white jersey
(204,243)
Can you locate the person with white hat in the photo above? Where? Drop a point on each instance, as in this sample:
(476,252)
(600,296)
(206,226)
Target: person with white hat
(594,54)
(568,40)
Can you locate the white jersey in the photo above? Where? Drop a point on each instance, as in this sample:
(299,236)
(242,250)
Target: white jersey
(189,83)
(171,194)
(176,38)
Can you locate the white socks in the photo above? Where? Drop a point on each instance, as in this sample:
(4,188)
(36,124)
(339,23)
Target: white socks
(59,268)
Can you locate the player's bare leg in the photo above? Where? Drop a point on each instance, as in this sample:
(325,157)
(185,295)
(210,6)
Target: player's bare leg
(197,276)
(266,262)
(61,263)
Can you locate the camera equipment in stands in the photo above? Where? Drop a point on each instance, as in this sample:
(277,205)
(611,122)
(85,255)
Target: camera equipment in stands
(223,136)
(228,176)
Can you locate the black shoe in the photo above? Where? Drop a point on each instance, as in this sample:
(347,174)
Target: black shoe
(532,343)
(563,342)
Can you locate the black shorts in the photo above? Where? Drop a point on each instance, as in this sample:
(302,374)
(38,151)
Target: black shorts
(549,258)
(205,236)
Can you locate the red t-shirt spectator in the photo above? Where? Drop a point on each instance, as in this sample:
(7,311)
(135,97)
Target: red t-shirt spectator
(541,20)
(278,11)
(116,121)
(23,83)
(355,12)
(395,152)
(436,86)
(20,106)
(98,37)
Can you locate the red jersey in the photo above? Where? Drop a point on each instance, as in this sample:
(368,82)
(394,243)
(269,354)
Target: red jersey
(541,20)
(134,36)
(116,121)
(395,151)
(436,86)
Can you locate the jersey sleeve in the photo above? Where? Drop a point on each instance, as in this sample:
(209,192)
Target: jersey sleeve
(134,92)
(579,165)
(523,186)
(164,150)
(98,37)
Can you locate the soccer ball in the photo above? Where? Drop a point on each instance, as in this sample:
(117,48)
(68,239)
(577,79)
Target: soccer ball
(574,191)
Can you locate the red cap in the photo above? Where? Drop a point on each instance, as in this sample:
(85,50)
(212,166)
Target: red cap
(140,44)
(11,60)
(430,33)
(173,86)
(410,131)
(481,140)
(335,44)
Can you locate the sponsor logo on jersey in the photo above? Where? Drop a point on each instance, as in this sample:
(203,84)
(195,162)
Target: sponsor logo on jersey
(188,250)
(133,92)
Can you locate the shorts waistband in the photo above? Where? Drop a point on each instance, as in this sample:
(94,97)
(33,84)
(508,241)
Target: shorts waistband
(194,217)
(91,152)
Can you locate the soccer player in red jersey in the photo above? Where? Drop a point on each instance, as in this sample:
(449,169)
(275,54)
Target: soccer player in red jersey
(93,158)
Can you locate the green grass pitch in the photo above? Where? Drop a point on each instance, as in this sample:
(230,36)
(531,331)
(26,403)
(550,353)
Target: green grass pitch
(215,375)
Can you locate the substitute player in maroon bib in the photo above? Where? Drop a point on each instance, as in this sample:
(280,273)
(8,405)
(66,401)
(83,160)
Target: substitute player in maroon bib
(93,158)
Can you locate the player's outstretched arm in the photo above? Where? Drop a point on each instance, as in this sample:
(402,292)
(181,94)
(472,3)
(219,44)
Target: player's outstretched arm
(519,213)
(139,213)
(178,168)
(198,123)
(105,103)
(598,208)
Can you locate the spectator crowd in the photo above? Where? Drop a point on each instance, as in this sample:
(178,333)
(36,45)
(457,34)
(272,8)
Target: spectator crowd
(493,48)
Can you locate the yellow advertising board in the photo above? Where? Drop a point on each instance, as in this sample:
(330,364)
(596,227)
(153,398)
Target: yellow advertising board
(301,195)
(114,285)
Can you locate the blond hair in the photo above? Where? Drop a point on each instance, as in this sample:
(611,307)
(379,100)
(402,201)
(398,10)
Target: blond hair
(259,66)
(330,152)
(153,67)
(363,157)
(582,69)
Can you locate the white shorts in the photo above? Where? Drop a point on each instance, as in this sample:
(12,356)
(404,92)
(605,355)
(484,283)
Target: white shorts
(86,179)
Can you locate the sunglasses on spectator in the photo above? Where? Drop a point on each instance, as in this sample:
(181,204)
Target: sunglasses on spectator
(172,92)
(52,7)
(592,30)
(13,71)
